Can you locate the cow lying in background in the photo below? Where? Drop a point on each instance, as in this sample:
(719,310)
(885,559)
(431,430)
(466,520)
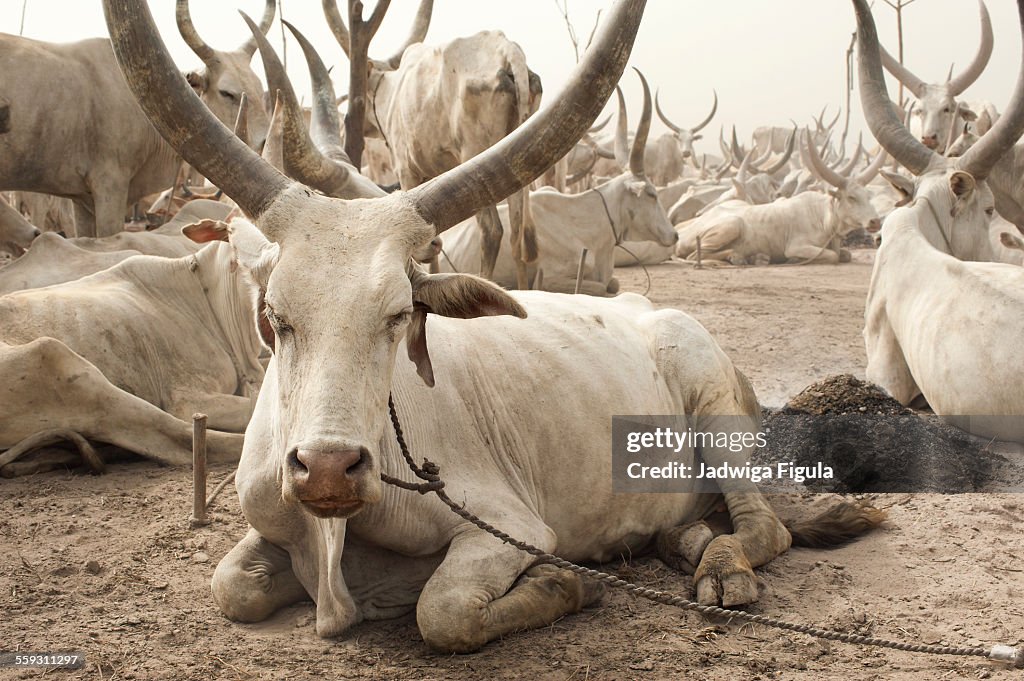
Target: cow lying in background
(939,325)
(797,229)
(597,219)
(127,355)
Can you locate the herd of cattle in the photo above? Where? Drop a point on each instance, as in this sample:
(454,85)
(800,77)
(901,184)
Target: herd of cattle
(269,283)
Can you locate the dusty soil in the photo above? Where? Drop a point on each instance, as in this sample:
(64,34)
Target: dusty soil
(109,566)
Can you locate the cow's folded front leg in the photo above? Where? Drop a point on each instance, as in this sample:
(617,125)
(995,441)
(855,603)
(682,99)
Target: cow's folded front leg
(226,413)
(816,254)
(474,597)
(254,580)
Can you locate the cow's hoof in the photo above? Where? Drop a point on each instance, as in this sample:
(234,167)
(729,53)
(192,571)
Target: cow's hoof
(724,576)
(682,547)
(613,286)
(844,255)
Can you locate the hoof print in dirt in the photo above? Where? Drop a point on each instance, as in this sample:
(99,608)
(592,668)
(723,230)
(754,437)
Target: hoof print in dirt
(872,443)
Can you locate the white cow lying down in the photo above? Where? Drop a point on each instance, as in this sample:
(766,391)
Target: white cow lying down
(127,355)
(526,453)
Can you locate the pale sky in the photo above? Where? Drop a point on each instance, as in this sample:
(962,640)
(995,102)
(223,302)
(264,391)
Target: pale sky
(770,60)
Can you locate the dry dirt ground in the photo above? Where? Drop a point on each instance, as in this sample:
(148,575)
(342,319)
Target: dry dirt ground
(109,566)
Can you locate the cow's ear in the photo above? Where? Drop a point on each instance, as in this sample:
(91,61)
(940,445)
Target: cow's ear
(463,296)
(253,250)
(962,184)
(206,231)
(902,184)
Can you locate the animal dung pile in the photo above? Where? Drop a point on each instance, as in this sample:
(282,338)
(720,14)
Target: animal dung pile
(872,443)
(859,238)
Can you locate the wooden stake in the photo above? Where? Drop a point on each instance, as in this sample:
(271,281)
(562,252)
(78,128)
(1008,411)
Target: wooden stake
(700,264)
(199,470)
(579,270)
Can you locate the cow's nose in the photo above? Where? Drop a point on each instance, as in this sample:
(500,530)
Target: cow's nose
(874,226)
(930,141)
(320,466)
(35,232)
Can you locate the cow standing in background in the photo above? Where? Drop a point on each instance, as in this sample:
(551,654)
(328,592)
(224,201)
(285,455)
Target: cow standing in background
(83,136)
(437,107)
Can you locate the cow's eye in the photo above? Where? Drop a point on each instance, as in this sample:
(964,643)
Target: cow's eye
(990,211)
(277,322)
(228,95)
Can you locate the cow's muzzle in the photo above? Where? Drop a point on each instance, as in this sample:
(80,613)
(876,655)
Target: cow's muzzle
(331,483)
(930,141)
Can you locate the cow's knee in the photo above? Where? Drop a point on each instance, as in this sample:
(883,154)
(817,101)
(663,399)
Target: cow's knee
(254,580)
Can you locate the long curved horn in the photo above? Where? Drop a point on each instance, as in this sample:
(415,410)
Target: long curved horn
(781,163)
(835,120)
(249,46)
(966,78)
(543,139)
(636,155)
(177,114)
(742,175)
(869,173)
(188,32)
(302,160)
(879,111)
(337,25)
(849,166)
(979,159)
(714,109)
(621,146)
(242,119)
(902,73)
(417,35)
(664,119)
(325,125)
(598,127)
(819,167)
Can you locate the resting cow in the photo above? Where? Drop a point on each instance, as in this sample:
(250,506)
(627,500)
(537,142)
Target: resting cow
(309,479)
(178,334)
(798,229)
(940,326)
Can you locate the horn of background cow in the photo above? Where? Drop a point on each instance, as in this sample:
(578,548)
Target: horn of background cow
(781,163)
(954,124)
(249,46)
(325,125)
(621,144)
(599,126)
(819,167)
(176,112)
(849,166)
(901,73)
(873,168)
(966,78)
(417,35)
(664,119)
(188,32)
(242,119)
(302,160)
(834,120)
(521,157)
(979,159)
(736,149)
(714,109)
(879,111)
(337,25)
(744,169)
(643,128)
(273,148)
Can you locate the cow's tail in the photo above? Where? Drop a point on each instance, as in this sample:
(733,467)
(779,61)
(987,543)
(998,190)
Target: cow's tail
(524,232)
(841,523)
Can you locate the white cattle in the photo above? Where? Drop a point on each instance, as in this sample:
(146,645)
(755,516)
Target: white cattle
(437,107)
(341,297)
(940,326)
(798,229)
(598,219)
(158,338)
(82,136)
(667,154)
(936,103)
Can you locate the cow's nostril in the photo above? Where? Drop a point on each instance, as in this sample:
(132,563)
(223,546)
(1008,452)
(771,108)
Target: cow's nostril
(294,462)
(363,460)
